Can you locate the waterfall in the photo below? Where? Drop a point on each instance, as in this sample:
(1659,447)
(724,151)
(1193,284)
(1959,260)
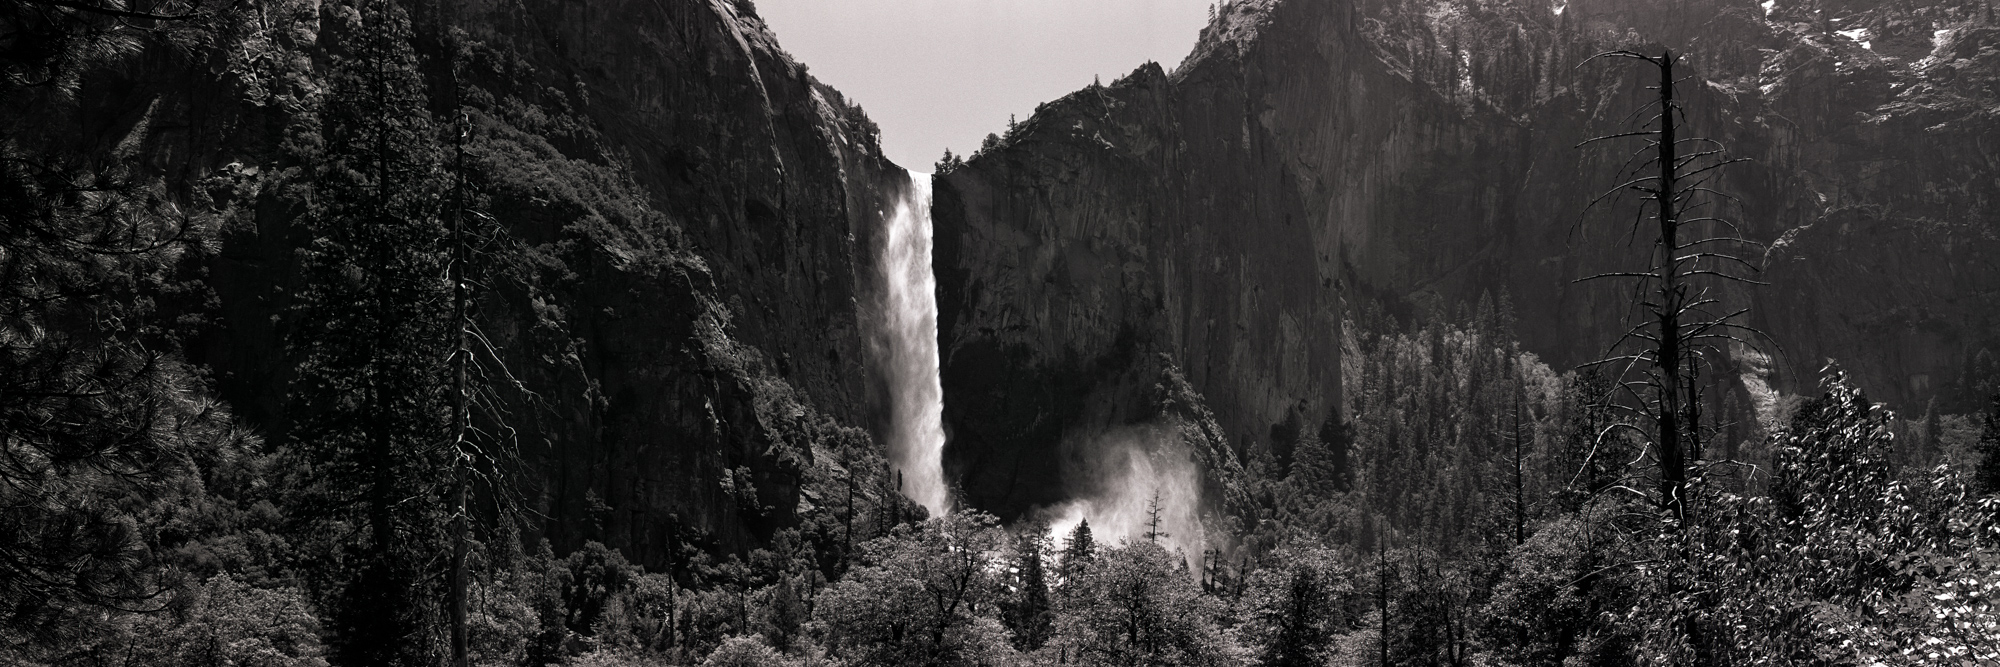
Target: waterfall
(909,342)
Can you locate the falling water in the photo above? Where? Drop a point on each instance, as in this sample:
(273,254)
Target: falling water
(909,323)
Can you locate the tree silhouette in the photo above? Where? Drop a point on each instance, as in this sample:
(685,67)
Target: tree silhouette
(1683,321)
(99,414)
(1987,477)
(1077,553)
(1684,318)
(370,333)
(1028,613)
(1153,533)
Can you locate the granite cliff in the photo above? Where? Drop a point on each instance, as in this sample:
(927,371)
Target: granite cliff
(1423,156)
(686,216)
(684,220)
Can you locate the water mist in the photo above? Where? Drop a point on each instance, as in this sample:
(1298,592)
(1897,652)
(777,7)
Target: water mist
(907,347)
(1126,474)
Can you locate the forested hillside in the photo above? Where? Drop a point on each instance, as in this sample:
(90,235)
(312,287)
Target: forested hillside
(418,332)
(312,310)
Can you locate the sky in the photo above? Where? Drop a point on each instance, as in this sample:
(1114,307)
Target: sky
(937,74)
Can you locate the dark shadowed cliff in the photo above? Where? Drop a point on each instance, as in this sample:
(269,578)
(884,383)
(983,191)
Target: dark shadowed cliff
(682,211)
(1309,155)
(682,214)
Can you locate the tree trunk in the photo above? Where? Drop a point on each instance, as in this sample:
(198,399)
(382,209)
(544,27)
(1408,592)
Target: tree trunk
(461,416)
(1520,498)
(1673,469)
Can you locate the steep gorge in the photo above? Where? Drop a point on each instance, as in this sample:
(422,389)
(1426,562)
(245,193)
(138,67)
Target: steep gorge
(1309,156)
(686,223)
(690,221)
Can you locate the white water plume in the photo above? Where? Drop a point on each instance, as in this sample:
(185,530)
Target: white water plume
(1128,470)
(908,348)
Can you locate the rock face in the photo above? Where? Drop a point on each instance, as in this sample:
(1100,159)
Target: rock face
(1098,238)
(774,181)
(688,219)
(772,177)
(686,215)
(1309,154)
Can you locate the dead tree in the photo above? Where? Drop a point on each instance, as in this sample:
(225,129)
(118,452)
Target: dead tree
(1520,460)
(1382,592)
(483,447)
(1682,319)
(461,404)
(1153,533)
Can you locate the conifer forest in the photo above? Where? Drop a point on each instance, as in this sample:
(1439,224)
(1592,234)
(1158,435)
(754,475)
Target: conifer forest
(602,333)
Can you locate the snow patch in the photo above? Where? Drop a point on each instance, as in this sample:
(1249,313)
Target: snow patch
(1859,35)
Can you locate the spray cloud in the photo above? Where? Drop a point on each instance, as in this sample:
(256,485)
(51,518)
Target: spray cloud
(1121,473)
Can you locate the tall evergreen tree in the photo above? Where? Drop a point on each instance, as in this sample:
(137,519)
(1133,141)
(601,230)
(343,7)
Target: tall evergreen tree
(1078,552)
(369,334)
(1027,613)
(1321,464)
(99,417)
(1294,609)
(1683,318)
(1987,477)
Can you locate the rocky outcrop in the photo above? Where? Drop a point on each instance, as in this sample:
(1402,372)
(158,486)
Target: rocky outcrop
(772,176)
(1145,217)
(686,217)
(1310,153)
(710,381)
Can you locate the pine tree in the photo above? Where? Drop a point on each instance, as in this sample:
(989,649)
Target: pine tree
(1987,478)
(369,332)
(1520,466)
(1153,511)
(1322,462)
(1294,609)
(1682,319)
(947,164)
(99,416)
(1078,553)
(788,614)
(1300,636)
(1028,613)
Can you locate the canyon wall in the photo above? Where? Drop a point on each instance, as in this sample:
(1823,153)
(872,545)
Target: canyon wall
(685,223)
(1310,155)
(686,214)
(774,183)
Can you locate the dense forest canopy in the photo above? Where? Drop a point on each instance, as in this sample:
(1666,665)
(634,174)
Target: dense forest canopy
(309,342)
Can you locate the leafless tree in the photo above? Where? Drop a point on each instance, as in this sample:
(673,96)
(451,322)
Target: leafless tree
(1683,321)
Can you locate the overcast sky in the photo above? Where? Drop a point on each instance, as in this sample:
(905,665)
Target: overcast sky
(943,73)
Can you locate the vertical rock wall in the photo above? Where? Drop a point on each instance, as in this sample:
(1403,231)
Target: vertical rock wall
(687,220)
(1310,153)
